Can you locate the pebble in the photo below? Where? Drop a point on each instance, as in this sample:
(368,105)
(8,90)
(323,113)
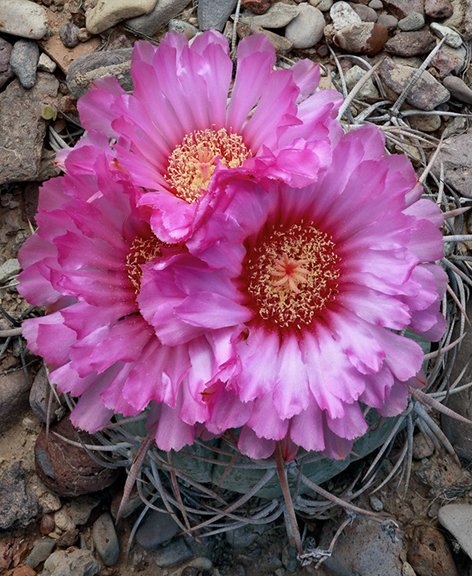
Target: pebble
(365,13)
(429,123)
(376,504)
(156,529)
(342,15)
(438,9)
(212,14)
(407,569)
(107,13)
(18,505)
(243,537)
(451,37)
(69,35)
(5,69)
(183,27)
(387,20)
(79,509)
(426,94)
(414,21)
(24,61)
(458,88)
(14,391)
(40,396)
(8,269)
(457,519)
(467,19)
(165,10)
(176,552)
(411,43)
(63,521)
(322,5)
(256,6)
(280,43)
(23,18)
(196,567)
(105,539)
(423,447)
(278,16)
(307,28)
(429,553)
(362,38)
(401,8)
(71,561)
(449,60)
(46,64)
(69,470)
(376,4)
(458,16)
(41,550)
(368,91)
(96,65)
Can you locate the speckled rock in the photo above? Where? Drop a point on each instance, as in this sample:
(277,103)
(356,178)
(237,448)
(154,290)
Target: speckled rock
(414,21)
(438,8)
(401,8)
(458,89)
(411,43)
(69,470)
(214,14)
(8,269)
(159,17)
(306,29)
(278,16)
(183,27)
(14,391)
(362,38)
(323,5)
(18,506)
(24,61)
(23,18)
(429,553)
(365,13)
(69,35)
(256,6)
(368,91)
(457,518)
(451,37)
(387,20)
(5,69)
(46,64)
(449,60)
(342,14)
(107,13)
(105,539)
(71,562)
(425,94)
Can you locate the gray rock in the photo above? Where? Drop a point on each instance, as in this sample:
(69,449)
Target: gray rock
(457,518)
(368,91)
(71,561)
(307,28)
(278,16)
(375,503)
(244,536)
(429,123)
(425,94)
(183,27)
(151,23)
(423,447)
(342,14)
(46,64)
(8,269)
(5,69)
(411,43)
(18,506)
(214,14)
(323,5)
(80,508)
(22,129)
(365,13)
(23,18)
(414,21)
(450,60)
(156,529)
(458,88)
(14,391)
(387,20)
(401,8)
(41,550)
(451,37)
(24,61)
(176,552)
(376,4)
(280,43)
(69,35)
(41,395)
(105,539)
(107,13)
(366,547)
(97,65)
(458,16)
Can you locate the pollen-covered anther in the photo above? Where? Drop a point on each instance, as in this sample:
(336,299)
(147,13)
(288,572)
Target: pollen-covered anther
(142,250)
(192,163)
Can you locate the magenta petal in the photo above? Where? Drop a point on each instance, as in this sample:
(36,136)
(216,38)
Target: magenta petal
(251,445)
(171,433)
(351,425)
(307,429)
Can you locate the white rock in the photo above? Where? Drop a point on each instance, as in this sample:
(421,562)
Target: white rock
(323,5)
(9,269)
(46,64)
(368,91)
(343,15)
(107,13)
(452,38)
(457,518)
(278,16)
(23,18)
(307,28)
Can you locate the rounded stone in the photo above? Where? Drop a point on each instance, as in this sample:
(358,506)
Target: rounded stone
(438,8)
(14,393)
(307,28)
(23,18)
(105,539)
(24,62)
(365,13)
(362,38)
(451,37)
(107,13)
(387,20)
(69,35)
(414,21)
(458,88)
(342,15)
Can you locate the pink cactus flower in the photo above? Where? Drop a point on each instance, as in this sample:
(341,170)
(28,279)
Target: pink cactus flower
(306,292)
(186,118)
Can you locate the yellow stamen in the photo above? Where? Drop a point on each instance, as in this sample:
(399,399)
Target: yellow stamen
(142,250)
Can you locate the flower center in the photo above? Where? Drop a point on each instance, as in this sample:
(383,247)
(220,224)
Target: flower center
(193,162)
(292,274)
(142,250)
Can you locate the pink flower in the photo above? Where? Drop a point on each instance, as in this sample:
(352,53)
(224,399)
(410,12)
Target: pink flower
(308,292)
(85,264)
(186,119)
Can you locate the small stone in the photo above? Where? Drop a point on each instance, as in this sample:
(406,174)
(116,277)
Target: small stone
(387,20)
(376,4)
(243,537)
(278,16)
(24,61)
(63,521)
(429,553)
(425,94)
(449,60)
(365,13)
(156,529)
(42,400)
(256,6)
(183,27)
(164,10)
(451,37)
(196,566)
(96,65)
(68,538)
(322,5)
(41,550)
(368,92)
(411,43)
(18,506)
(71,561)
(176,552)
(23,18)
(407,569)
(414,21)
(466,17)
(342,15)
(107,13)
(457,519)
(401,8)
(362,38)
(438,9)
(214,14)
(307,28)
(458,88)
(69,35)
(105,539)
(80,508)
(46,64)
(422,123)
(14,391)
(5,70)
(47,524)
(376,504)
(423,447)
(9,269)
(280,43)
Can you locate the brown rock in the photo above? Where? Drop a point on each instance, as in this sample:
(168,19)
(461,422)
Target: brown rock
(438,8)
(362,38)
(47,524)
(14,392)
(21,570)
(401,8)
(69,470)
(429,553)
(256,6)
(411,43)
